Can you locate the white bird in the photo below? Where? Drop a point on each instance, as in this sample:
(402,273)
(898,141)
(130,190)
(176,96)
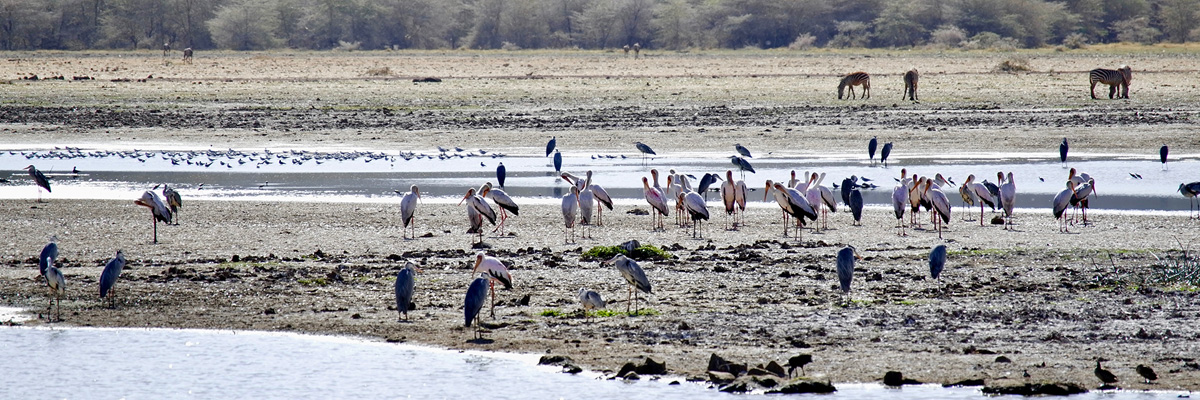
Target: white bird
(1008,195)
(797,206)
(484,210)
(408,210)
(602,198)
(658,203)
(570,209)
(941,206)
(495,271)
(696,208)
(590,300)
(587,204)
(741,191)
(1060,203)
(633,275)
(900,203)
(158,210)
(505,203)
(827,199)
(729,198)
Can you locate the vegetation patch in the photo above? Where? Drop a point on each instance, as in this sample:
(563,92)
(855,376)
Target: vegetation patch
(313,282)
(640,253)
(601,313)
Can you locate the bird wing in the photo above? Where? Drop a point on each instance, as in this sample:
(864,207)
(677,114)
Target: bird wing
(108,278)
(696,205)
(633,274)
(476,296)
(405,286)
(408,207)
(570,208)
(484,209)
(503,201)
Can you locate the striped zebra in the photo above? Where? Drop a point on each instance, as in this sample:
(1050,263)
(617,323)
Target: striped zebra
(910,85)
(1112,78)
(855,79)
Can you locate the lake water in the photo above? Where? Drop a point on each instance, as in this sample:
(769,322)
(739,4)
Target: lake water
(45,363)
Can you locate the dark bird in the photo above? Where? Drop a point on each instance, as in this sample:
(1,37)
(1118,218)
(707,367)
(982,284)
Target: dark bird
(174,201)
(874,143)
(799,362)
(1162,156)
(937,261)
(847,185)
(1147,372)
(1190,190)
(405,284)
(845,266)
(634,276)
(48,255)
(1062,152)
(557,162)
(473,304)
(856,206)
(705,183)
(112,271)
(742,150)
(550,145)
(1105,375)
(742,165)
(887,151)
(646,150)
(40,179)
(501,173)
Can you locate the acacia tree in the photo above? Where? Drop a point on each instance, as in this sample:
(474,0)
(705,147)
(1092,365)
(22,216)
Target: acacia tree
(244,25)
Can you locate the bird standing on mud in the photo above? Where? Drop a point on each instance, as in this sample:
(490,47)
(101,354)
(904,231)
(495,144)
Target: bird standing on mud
(937,261)
(405,286)
(174,201)
(495,270)
(408,211)
(634,276)
(590,300)
(40,179)
(158,210)
(473,304)
(58,287)
(845,267)
(48,256)
(112,271)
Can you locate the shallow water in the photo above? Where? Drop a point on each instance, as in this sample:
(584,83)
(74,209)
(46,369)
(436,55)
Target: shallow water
(372,177)
(165,363)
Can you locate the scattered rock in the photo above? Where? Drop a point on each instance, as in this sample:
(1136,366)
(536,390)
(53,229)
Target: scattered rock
(1037,389)
(965,382)
(651,367)
(628,368)
(775,368)
(720,378)
(1003,359)
(638,211)
(804,386)
(553,359)
(739,387)
(716,363)
(427,80)
(571,369)
(895,378)
(269,311)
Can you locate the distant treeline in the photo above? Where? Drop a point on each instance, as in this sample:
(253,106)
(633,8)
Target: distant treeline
(588,24)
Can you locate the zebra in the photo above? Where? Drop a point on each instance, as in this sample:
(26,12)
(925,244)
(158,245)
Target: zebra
(187,54)
(1112,78)
(910,85)
(855,79)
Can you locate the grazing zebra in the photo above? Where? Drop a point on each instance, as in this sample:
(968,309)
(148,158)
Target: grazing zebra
(1112,78)
(855,79)
(187,54)
(910,85)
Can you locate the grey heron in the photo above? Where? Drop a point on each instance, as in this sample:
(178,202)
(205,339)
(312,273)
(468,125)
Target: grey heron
(742,150)
(550,145)
(845,266)
(856,205)
(871,146)
(408,210)
(1162,156)
(405,285)
(1190,190)
(658,203)
(884,153)
(1062,152)
(634,276)
(742,165)
(476,296)
(590,300)
(158,210)
(570,208)
(937,261)
(174,201)
(40,179)
(645,150)
(112,271)
(48,255)
(495,270)
(501,173)
(58,287)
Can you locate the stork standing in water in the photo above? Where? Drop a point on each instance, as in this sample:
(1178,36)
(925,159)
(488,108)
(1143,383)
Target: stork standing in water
(645,150)
(408,210)
(40,180)
(505,203)
(1162,156)
(871,146)
(550,145)
(158,210)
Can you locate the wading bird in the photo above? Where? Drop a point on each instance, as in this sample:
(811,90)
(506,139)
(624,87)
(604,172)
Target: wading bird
(158,210)
(742,150)
(495,270)
(729,198)
(1162,156)
(742,165)
(982,193)
(112,271)
(845,267)
(405,285)
(570,209)
(1190,190)
(557,162)
(40,179)
(694,204)
(408,211)
(1008,196)
(658,204)
(1062,152)
(58,287)
(884,153)
(590,300)
(1059,206)
(482,210)
(550,145)
(602,198)
(645,150)
(1146,372)
(501,173)
(797,206)
(937,261)
(476,296)
(48,256)
(633,275)
(1104,375)
(587,204)
(174,201)
(871,146)
(505,203)
(856,206)
(941,206)
(899,203)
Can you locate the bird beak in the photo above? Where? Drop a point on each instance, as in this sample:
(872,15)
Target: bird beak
(463,199)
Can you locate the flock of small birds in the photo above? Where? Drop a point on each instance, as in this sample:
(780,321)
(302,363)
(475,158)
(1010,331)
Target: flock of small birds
(229,158)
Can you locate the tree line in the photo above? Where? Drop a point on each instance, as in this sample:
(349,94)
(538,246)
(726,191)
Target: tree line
(589,24)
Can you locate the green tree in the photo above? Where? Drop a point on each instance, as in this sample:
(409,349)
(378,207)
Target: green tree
(1178,18)
(895,26)
(244,25)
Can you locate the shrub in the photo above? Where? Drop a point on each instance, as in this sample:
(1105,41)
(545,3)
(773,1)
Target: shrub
(949,36)
(1075,41)
(803,42)
(1014,64)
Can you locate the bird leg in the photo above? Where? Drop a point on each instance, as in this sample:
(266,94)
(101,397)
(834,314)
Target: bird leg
(492,285)
(627,299)
(154,220)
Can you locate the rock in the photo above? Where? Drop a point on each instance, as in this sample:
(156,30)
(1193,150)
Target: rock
(550,359)
(638,211)
(571,368)
(1003,359)
(633,376)
(651,367)
(1036,389)
(524,300)
(775,368)
(965,382)
(768,382)
(427,80)
(716,363)
(720,378)
(739,387)
(895,378)
(756,371)
(626,369)
(803,386)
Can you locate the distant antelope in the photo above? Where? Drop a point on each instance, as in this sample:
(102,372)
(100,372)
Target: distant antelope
(187,54)
(910,85)
(166,48)
(855,79)
(637,48)
(1112,78)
